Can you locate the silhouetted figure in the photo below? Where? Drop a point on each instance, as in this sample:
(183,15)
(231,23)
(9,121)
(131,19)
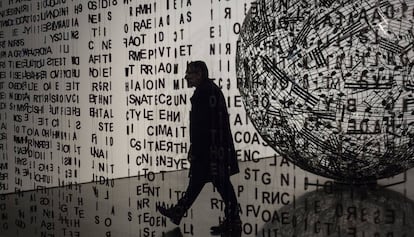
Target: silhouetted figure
(212,154)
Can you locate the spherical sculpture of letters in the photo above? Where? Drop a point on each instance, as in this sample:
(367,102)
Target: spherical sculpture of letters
(329,84)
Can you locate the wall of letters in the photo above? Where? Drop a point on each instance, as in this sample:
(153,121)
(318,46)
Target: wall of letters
(92,91)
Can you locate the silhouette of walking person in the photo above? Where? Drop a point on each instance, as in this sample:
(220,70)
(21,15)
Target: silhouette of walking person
(212,154)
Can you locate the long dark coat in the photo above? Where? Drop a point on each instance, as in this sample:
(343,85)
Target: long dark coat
(212,146)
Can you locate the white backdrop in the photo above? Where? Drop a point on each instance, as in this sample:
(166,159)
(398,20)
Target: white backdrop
(94,90)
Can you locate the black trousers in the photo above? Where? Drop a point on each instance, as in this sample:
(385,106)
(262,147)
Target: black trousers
(223,186)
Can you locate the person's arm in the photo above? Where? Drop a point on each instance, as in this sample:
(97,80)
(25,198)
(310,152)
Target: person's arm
(200,126)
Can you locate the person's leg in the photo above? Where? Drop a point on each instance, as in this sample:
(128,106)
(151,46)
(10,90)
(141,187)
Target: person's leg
(176,212)
(226,191)
(194,188)
(232,222)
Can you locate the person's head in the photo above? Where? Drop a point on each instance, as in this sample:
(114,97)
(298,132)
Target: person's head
(196,72)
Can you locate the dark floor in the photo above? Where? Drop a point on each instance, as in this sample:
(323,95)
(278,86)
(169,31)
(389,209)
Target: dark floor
(274,201)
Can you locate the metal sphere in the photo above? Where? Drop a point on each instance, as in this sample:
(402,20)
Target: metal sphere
(329,84)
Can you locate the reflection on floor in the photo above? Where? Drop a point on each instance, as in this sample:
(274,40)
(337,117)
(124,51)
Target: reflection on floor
(275,200)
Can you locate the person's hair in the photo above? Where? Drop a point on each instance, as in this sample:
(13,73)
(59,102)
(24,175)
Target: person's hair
(199,66)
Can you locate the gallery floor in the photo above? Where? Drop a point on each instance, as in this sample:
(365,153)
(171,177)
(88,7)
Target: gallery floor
(275,200)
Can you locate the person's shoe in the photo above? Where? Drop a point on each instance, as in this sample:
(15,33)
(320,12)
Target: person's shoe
(176,232)
(227,226)
(175,214)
